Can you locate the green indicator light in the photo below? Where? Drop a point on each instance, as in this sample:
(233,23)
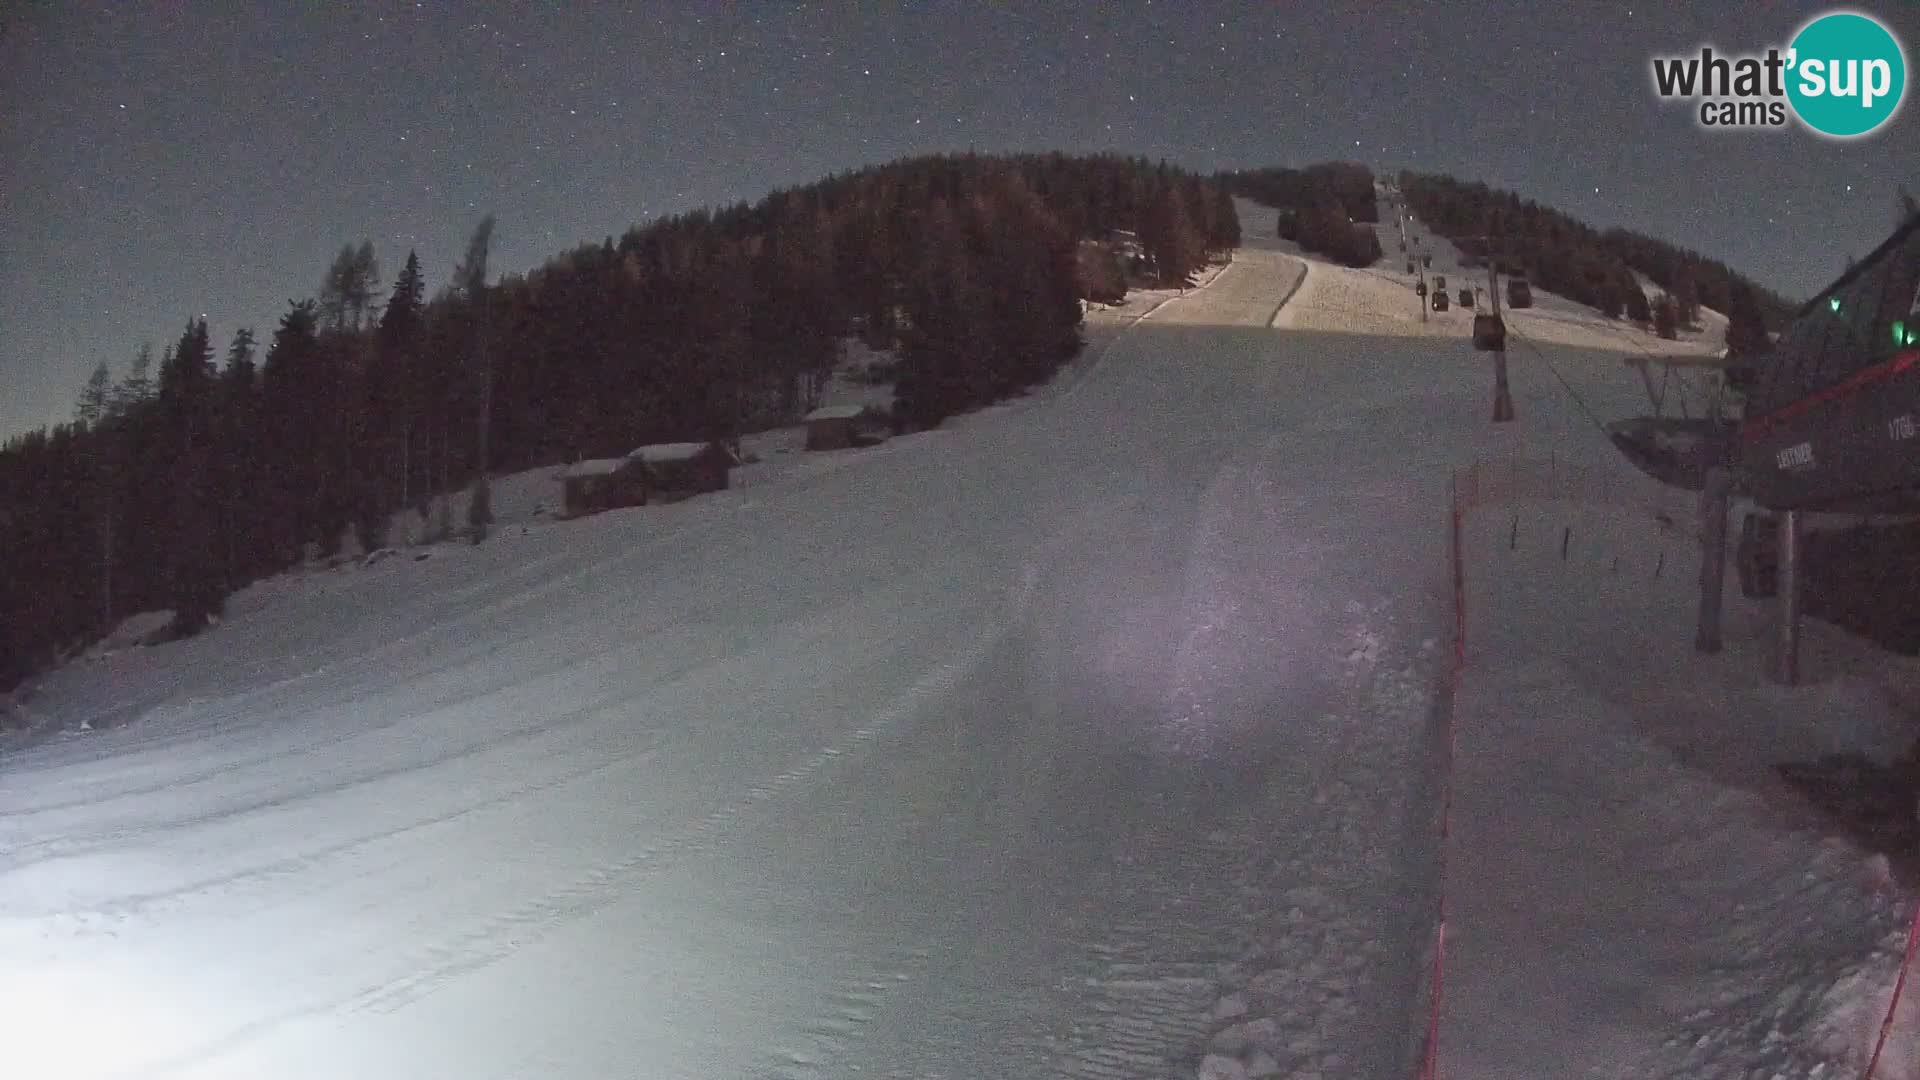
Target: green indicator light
(1899,332)
(1833,302)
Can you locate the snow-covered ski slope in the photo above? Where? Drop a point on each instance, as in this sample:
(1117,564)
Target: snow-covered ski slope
(1380,300)
(1077,738)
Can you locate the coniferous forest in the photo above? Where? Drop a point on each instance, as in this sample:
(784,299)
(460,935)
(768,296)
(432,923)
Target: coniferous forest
(213,465)
(1591,266)
(1326,209)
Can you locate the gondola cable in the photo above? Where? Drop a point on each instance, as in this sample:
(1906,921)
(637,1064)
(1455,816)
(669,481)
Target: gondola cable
(1568,387)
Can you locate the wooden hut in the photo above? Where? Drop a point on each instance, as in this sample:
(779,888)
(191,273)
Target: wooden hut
(589,487)
(677,470)
(837,427)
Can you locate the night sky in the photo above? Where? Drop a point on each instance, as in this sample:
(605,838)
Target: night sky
(177,159)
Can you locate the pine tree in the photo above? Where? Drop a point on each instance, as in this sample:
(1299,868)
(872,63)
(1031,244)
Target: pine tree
(445,397)
(1666,318)
(942,304)
(1609,300)
(96,411)
(291,382)
(1031,314)
(363,284)
(335,288)
(1686,298)
(347,291)
(1226,219)
(793,323)
(471,276)
(187,409)
(1169,237)
(96,399)
(1746,327)
(137,387)
(240,354)
(237,467)
(401,319)
(399,338)
(186,383)
(1638,309)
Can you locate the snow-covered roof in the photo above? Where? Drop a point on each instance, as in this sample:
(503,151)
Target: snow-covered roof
(836,412)
(596,467)
(673,451)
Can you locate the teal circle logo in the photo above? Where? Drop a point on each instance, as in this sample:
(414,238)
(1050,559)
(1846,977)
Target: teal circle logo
(1846,74)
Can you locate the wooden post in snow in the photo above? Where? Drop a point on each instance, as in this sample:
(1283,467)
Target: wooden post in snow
(1713,557)
(1786,668)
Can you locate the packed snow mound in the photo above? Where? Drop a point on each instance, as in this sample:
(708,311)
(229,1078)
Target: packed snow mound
(1856,1009)
(134,631)
(517,499)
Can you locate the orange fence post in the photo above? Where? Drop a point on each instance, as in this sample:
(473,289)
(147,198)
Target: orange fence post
(1880,1044)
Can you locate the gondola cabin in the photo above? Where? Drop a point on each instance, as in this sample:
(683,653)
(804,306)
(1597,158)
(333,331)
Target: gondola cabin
(1833,416)
(1519,292)
(1489,330)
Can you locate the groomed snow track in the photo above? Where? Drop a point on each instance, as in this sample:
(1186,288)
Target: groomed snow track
(1034,746)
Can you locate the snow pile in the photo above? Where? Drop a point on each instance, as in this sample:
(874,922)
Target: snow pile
(517,499)
(860,367)
(1856,1008)
(134,631)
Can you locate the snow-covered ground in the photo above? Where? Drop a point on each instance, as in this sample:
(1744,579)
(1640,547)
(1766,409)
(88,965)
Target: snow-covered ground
(1380,300)
(1627,862)
(1085,736)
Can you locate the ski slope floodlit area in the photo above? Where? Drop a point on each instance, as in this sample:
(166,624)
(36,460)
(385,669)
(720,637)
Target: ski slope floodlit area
(1092,735)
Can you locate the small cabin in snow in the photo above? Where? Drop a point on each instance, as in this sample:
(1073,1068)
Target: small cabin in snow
(837,427)
(589,487)
(678,470)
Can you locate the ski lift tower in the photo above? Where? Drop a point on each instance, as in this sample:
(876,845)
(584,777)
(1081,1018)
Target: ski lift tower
(1490,335)
(1830,425)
